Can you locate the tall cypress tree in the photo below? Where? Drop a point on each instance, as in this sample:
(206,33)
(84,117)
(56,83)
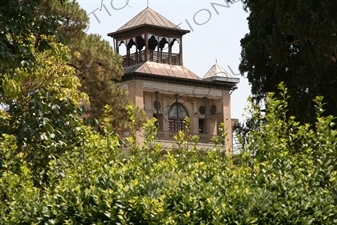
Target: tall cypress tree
(295,42)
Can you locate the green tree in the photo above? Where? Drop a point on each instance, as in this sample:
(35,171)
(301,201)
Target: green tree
(39,93)
(96,183)
(98,67)
(294,42)
(42,106)
(40,89)
(18,20)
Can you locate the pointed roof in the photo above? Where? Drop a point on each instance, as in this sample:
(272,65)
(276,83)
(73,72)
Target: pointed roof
(216,70)
(217,73)
(148,17)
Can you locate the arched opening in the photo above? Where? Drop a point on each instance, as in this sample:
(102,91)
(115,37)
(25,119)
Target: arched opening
(132,52)
(175,51)
(122,48)
(176,116)
(140,43)
(152,45)
(131,45)
(175,46)
(163,51)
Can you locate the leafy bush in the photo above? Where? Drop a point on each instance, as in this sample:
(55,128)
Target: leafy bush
(286,175)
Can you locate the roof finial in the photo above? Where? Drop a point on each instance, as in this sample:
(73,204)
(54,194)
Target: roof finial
(216,61)
(148,3)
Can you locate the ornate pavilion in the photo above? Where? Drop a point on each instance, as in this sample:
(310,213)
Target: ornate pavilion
(158,82)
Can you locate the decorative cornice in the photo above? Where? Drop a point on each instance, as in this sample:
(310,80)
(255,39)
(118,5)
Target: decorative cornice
(181,81)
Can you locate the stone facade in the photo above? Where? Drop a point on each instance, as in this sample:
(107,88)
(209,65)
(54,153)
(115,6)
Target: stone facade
(157,81)
(207,108)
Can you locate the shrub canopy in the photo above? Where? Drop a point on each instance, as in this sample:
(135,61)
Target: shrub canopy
(286,174)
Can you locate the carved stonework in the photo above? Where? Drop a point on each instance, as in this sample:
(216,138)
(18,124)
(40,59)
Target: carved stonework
(178,89)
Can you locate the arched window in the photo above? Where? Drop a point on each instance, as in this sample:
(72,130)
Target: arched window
(177,114)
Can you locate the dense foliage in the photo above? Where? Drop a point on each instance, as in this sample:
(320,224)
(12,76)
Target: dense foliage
(99,182)
(294,42)
(48,67)
(98,67)
(16,23)
(55,170)
(41,107)
(25,25)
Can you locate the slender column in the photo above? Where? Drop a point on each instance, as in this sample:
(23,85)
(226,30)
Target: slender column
(157,103)
(147,50)
(177,96)
(169,52)
(127,53)
(136,53)
(206,122)
(157,110)
(116,45)
(181,51)
(158,50)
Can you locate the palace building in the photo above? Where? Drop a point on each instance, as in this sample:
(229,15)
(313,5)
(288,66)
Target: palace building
(158,82)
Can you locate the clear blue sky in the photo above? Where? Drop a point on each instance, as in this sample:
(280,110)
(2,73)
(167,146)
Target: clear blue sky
(216,34)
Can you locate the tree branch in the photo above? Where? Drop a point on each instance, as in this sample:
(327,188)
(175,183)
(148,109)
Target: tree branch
(72,65)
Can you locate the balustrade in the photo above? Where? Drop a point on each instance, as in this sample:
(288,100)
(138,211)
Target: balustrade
(154,56)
